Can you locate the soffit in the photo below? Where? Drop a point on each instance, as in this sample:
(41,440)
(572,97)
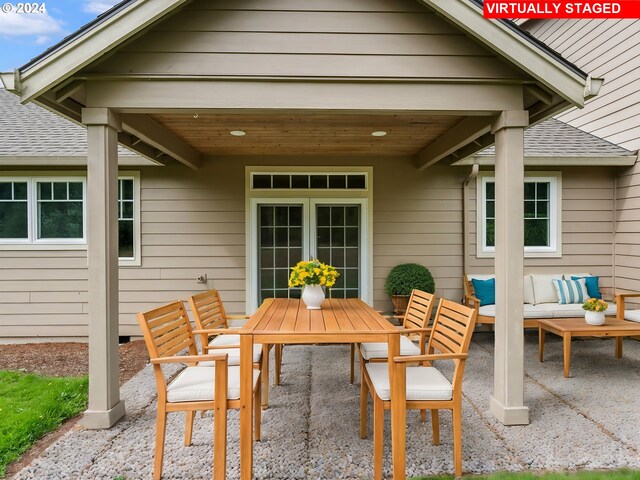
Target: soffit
(307,134)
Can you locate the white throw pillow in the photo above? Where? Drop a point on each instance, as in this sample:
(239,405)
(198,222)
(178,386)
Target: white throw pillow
(543,289)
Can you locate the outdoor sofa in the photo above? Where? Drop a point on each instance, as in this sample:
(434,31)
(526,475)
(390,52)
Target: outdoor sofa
(540,298)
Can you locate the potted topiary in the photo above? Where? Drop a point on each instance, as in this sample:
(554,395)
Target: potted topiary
(404,278)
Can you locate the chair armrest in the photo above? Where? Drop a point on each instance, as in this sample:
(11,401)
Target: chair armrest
(430,357)
(220,347)
(188,359)
(216,331)
(472,301)
(238,317)
(627,295)
(407,331)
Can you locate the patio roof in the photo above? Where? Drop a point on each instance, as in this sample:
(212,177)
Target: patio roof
(556,143)
(32,135)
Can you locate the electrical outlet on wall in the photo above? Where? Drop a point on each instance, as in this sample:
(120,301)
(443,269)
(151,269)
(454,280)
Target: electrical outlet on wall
(201,277)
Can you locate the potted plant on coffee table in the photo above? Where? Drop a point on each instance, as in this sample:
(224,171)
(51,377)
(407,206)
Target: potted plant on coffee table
(402,279)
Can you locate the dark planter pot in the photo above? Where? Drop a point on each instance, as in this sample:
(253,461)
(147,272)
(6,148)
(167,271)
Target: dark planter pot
(400,303)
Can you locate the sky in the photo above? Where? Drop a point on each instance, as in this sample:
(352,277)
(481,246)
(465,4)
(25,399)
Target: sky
(26,35)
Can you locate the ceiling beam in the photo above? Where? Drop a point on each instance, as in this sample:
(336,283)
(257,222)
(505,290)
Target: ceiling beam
(158,136)
(449,143)
(68,90)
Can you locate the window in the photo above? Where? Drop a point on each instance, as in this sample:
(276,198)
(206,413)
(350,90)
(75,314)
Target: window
(52,211)
(541,215)
(308,181)
(126,208)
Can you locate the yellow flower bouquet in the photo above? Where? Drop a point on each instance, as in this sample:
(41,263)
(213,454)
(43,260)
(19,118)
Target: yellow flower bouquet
(313,272)
(595,305)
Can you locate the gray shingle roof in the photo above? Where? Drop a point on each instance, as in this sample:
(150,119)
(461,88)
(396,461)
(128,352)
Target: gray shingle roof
(32,131)
(553,138)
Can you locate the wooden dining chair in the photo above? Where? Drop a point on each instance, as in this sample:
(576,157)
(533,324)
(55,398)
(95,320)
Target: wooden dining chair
(216,337)
(167,332)
(416,319)
(424,386)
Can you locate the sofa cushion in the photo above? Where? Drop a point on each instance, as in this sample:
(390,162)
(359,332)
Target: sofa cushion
(567,276)
(592,286)
(571,310)
(529,311)
(528,290)
(571,291)
(485,290)
(632,315)
(480,276)
(543,289)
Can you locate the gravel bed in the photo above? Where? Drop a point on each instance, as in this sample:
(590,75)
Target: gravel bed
(311,429)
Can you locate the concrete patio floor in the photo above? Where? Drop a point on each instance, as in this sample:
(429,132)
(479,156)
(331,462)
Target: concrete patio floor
(589,421)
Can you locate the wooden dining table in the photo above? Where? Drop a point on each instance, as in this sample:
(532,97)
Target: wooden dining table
(288,321)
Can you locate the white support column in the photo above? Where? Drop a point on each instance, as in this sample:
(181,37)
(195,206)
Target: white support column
(105,406)
(507,401)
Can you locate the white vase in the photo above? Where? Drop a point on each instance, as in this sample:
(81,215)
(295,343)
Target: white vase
(594,318)
(313,296)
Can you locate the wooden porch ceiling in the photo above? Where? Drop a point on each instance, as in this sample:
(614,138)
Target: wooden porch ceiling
(307,134)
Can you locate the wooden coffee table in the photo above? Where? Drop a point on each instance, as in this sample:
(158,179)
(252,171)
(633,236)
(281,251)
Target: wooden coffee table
(568,328)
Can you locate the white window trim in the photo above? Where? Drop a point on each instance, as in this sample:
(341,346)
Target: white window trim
(136,260)
(555,234)
(32,243)
(308,197)
(32,210)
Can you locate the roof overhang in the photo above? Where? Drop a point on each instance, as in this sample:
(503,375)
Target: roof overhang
(613,161)
(570,84)
(67,161)
(558,84)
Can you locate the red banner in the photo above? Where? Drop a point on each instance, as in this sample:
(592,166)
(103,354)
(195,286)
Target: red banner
(561,9)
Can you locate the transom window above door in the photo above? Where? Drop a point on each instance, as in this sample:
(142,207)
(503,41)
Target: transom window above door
(298,213)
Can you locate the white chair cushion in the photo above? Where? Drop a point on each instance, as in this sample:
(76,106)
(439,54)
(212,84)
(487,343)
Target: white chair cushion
(226,339)
(543,289)
(381,349)
(233,357)
(195,384)
(570,310)
(423,383)
(632,315)
(529,311)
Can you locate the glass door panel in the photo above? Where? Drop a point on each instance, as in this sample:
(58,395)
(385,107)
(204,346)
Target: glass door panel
(338,244)
(280,245)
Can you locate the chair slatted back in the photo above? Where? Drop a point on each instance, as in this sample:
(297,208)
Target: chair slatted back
(452,328)
(208,310)
(208,313)
(167,330)
(419,310)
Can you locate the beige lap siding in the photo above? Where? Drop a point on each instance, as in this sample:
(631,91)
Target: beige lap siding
(628,230)
(347,38)
(587,227)
(604,49)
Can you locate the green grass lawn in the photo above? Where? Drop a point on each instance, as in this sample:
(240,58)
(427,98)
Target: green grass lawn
(32,405)
(609,475)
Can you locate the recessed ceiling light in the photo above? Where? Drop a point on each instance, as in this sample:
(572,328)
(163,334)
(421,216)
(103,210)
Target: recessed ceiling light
(378,133)
(238,133)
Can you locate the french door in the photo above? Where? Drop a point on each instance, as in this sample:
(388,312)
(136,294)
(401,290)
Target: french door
(287,231)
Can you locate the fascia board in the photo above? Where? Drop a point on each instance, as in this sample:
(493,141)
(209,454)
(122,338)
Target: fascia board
(613,161)
(92,44)
(514,48)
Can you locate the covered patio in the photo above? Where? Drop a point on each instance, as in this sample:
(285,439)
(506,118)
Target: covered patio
(307,434)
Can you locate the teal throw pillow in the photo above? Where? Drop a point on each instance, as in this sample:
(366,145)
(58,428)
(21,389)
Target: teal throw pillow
(592,286)
(485,291)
